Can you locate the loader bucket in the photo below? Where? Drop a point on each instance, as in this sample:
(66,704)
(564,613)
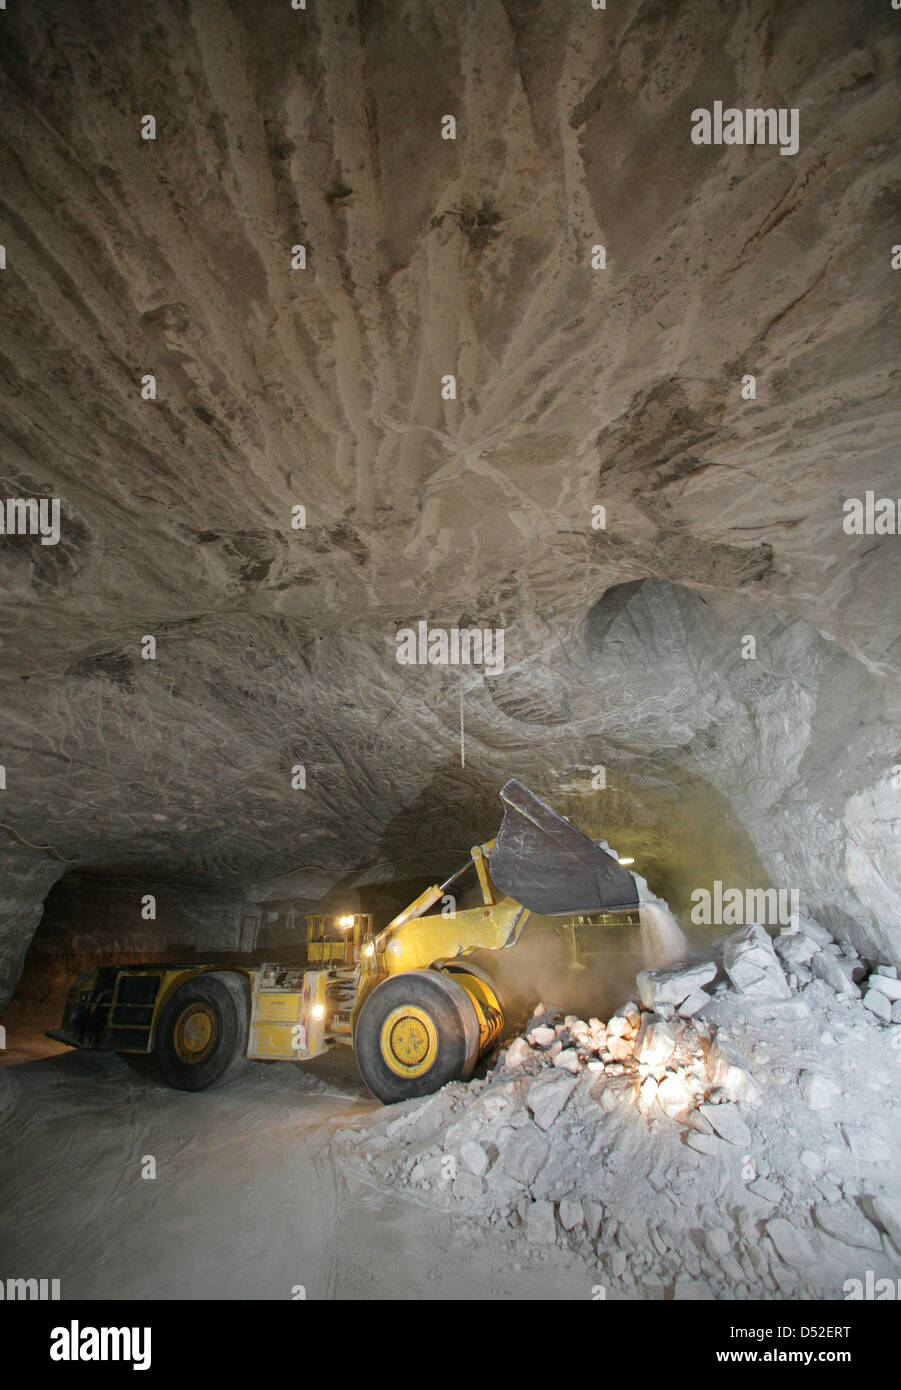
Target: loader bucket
(549,866)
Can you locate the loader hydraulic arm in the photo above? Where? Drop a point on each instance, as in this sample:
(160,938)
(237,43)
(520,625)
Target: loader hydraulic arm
(414,941)
(436,892)
(418,943)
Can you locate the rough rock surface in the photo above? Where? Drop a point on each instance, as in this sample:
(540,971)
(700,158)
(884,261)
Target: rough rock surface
(674,986)
(752,965)
(662,1175)
(321,388)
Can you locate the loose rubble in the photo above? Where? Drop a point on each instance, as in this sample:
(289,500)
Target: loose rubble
(667,1148)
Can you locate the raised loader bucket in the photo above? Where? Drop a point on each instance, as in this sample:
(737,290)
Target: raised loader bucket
(549,866)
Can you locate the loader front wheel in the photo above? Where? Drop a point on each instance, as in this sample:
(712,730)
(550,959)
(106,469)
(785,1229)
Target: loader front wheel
(415,1032)
(202,1034)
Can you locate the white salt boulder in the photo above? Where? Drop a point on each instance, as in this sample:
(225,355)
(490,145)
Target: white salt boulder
(836,971)
(570,1213)
(727,1123)
(795,948)
(878,1004)
(474,1157)
(728,1071)
(845,1223)
(820,1092)
(518,1052)
(887,1211)
(525,1155)
(752,964)
(886,984)
(541,1227)
(672,987)
(791,1246)
(864,1144)
(547,1096)
(695,1002)
(674,1096)
(808,927)
(654,1042)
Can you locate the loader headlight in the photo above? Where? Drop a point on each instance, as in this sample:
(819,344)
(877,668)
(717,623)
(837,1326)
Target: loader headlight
(318,1010)
(368,949)
(345,921)
(627,860)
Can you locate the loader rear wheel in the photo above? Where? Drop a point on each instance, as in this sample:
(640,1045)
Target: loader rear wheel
(201,1037)
(416,1032)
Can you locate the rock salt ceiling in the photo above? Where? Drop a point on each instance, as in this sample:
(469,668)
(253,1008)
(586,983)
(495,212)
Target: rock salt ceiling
(324,388)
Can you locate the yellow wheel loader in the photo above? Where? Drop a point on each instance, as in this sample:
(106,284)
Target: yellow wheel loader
(417,1011)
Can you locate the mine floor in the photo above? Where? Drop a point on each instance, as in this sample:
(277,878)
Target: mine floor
(246,1203)
(293,1177)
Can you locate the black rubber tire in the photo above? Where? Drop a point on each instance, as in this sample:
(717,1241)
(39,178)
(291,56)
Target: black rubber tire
(226,997)
(452,1013)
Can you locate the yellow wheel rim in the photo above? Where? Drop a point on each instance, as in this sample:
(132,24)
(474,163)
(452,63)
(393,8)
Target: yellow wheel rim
(409,1041)
(195,1033)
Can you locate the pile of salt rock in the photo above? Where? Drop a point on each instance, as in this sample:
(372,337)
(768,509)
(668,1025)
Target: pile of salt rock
(810,953)
(546,1146)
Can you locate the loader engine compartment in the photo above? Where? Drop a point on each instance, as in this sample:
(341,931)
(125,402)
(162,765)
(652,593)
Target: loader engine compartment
(450,667)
